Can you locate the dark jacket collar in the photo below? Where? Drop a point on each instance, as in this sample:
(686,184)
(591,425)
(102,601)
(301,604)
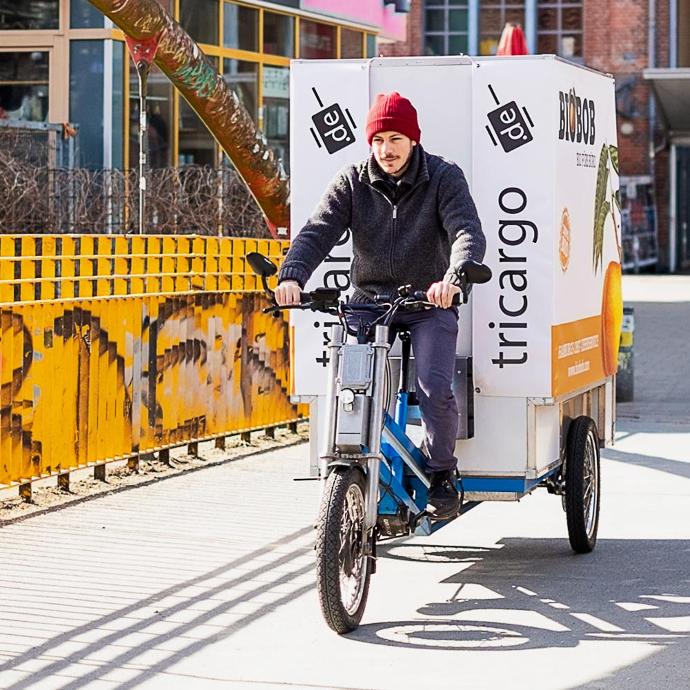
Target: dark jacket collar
(416,172)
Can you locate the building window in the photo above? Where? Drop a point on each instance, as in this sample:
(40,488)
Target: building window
(30,14)
(158,115)
(241,27)
(493,16)
(371,45)
(316,40)
(276,92)
(559,28)
(279,34)
(200,20)
(196,144)
(86,99)
(83,15)
(445,27)
(242,77)
(351,43)
(24,86)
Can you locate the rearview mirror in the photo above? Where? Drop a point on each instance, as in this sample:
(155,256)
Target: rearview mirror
(475,272)
(261,265)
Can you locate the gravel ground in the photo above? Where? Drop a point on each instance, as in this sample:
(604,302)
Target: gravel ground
(46,495)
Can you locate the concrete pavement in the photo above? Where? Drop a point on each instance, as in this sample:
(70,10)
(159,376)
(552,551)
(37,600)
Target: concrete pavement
(662,347)
(206,581)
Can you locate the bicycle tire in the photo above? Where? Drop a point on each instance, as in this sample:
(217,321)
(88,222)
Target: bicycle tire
(582,470)
(332,563)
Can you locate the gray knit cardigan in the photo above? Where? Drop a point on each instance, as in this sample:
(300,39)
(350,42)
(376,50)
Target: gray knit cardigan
(417,234)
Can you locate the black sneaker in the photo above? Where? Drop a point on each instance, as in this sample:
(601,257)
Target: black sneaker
(443,500)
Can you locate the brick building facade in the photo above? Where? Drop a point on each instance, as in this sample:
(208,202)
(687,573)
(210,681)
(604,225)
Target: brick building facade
(622,37)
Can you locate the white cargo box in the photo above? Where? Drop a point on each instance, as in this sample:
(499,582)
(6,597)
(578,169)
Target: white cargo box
(536,138)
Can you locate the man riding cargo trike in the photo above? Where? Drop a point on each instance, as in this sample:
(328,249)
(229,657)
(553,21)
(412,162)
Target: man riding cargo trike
(512,383)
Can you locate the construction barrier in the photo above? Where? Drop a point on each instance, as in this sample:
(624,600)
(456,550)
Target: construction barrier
(115,346)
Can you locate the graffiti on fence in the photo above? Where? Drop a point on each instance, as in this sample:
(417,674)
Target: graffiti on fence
(109,378)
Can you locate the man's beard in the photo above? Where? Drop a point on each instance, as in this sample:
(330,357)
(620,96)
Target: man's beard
(403,168)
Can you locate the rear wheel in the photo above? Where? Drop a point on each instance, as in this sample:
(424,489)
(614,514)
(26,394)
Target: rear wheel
(582,484)
(343,569)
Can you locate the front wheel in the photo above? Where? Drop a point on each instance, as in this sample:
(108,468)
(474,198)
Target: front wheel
(582,484)
(343,568)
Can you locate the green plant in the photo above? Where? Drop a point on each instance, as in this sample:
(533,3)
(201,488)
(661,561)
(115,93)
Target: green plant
(605,201)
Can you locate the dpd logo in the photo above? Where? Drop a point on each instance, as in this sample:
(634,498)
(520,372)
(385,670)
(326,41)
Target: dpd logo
(508,124)
(332,127)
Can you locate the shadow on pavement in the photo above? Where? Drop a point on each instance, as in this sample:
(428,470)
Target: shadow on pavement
(667,668)
(155,622)
(536,594)
(667,465)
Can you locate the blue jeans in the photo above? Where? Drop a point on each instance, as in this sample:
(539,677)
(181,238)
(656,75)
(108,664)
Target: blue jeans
(433,334)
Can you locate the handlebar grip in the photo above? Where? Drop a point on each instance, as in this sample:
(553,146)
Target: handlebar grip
(421,296)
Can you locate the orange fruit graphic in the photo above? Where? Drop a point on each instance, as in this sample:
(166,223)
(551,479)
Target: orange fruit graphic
(564,241)
(572,113)
(611,317)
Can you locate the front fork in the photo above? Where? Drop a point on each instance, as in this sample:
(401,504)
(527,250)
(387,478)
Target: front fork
(327,454)
(376,415)
(378,405)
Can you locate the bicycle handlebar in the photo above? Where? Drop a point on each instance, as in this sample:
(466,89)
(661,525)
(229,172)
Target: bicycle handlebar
(328,299)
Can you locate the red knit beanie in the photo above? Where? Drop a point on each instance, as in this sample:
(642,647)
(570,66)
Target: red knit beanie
(392,112)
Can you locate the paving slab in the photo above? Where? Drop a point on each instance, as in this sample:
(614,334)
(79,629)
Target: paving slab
(661,348)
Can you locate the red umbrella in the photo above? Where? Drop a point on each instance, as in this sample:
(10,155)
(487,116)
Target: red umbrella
(512,41)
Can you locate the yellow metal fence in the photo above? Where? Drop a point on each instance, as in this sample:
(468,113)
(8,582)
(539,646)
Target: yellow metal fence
(113,346)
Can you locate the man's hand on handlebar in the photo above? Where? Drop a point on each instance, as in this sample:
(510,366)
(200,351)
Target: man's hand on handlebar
(287,293)
(441,294)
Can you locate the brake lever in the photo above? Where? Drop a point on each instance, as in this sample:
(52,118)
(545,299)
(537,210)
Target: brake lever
(275,308)
(311,305)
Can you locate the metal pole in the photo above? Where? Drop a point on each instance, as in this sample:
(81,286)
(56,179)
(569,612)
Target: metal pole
(672,209)
(143,142)
(219,190)
(651,104)
(108,128)
(143,53)
(473,27)
(673,34)
(531,25)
